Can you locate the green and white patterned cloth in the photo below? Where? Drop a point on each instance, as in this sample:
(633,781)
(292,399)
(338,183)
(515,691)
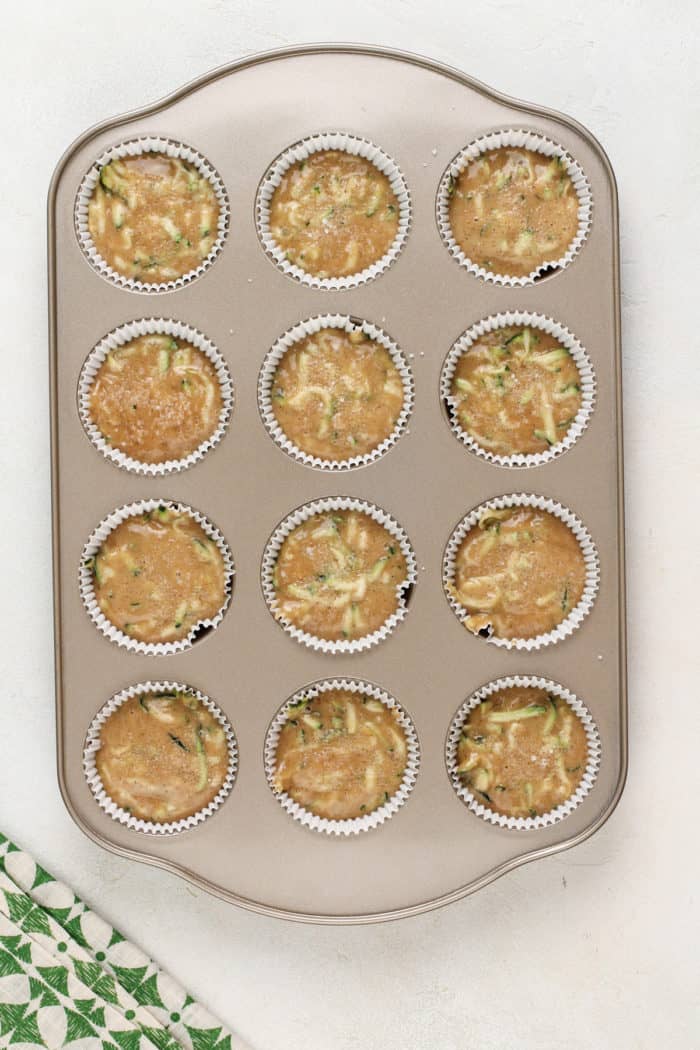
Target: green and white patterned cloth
(69,979)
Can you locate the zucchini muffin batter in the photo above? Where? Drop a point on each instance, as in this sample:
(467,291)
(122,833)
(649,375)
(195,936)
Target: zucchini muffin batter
(162,756)
(513,210)
(152,217)
(338,576)
(518,573)
(523,751)
(340,755)
(337,394)
(515,390)
(157,575)
(156,398)
(334,214)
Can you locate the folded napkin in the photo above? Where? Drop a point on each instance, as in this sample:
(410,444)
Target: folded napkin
(67,976)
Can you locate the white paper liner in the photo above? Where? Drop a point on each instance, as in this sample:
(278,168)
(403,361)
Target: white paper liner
(357,824)
(92,746)
(135,147)
(518,138)
(588,550)
(358,147)
(120,337)
(322,506)
(296,334)
(587,383)
(87,584)
(564,808)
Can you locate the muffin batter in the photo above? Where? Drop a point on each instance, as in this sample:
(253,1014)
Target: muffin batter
(153,217)
(513,210)
(162,756)
(158,575)
(337,394)
(518,573)
(156,398)
(340,755)
(334,214)
(338,575)
(516,390)
(523,751)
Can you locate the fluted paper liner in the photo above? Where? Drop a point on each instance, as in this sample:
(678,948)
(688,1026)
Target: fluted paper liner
(517,138)
(359,147)
(588,550)
(93,743)
(567,339)
(564,808)
(296,334)
(135,147)
(378,816)
(322,506)
(87,582)
(120,337)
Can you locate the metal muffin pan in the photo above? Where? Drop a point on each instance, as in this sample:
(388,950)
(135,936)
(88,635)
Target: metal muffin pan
(240,118)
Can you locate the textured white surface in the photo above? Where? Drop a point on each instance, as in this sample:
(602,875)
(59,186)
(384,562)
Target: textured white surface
(595,948)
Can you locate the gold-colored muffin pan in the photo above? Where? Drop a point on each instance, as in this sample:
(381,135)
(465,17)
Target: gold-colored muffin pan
(433,850)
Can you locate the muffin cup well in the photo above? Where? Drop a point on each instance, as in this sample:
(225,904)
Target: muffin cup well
(120,337)
(87,586)
(588,550)
(378,816)
(359,147)
(564,808)
(530,140)
(294,335)
(322,506)
(94,781)
(567,339)
(135,147)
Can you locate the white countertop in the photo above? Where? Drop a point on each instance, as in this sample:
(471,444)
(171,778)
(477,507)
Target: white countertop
(595,947)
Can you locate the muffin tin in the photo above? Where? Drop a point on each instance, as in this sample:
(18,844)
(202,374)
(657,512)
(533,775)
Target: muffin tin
(240,119)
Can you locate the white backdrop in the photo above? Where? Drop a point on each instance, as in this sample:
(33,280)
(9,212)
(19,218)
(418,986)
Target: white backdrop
(596,947)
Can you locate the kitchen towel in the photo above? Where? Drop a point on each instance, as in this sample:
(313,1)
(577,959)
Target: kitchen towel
(69,978)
